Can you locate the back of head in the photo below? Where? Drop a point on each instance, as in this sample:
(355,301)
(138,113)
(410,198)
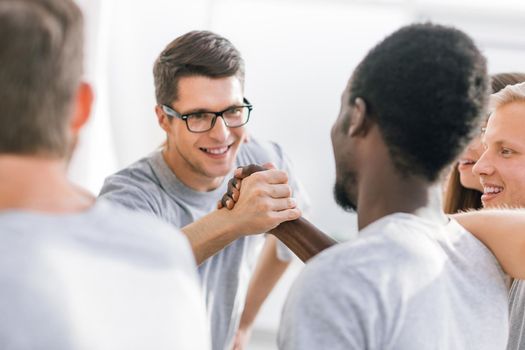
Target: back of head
(40,69)
(426,86)
(195,53)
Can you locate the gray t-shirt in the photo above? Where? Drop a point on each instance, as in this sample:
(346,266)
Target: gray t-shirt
(517,316)
(404,283)
(103,279)
(149,185)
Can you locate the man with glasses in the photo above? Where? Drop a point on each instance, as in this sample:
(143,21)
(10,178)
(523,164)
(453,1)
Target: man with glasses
(199,80)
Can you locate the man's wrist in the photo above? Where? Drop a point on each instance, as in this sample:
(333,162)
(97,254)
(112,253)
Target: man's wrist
(228,223)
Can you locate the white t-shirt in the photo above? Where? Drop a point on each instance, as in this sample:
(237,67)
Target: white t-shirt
(405,283)
(106,278)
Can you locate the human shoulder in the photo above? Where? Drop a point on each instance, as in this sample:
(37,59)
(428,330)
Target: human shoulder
(136,186)
(140,175)
(138,233)
(126,221)
(392,246)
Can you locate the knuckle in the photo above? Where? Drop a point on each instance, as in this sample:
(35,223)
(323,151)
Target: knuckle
(258,176)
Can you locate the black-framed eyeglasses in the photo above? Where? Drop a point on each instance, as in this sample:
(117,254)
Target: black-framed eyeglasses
(233,117)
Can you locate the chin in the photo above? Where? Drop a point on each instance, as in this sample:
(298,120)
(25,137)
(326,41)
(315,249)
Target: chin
(219,171)
(495,205)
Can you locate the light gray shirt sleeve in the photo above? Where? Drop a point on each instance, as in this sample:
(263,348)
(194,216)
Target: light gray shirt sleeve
(124,191)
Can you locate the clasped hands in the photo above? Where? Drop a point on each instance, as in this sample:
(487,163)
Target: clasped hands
(265,199)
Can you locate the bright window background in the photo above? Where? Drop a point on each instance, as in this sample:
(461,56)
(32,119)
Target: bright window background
(299,55)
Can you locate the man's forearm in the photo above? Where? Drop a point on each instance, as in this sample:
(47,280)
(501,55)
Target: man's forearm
(210,234)
(303,238)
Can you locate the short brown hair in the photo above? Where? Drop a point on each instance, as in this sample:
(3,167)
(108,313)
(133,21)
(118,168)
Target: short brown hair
(40,68)
(194,53)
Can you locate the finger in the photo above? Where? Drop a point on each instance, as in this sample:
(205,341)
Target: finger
(225,199)
(235,195)
(232,185)
(278,204)
(273,176)
(247,170)
(287,215)
(280,191)
(219,204)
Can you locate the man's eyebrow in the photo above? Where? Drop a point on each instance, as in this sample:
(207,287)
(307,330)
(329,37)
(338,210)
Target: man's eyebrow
(204,110)
(499,142)
(196,110)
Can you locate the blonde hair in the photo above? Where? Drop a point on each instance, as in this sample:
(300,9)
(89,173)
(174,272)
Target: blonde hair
(511,93)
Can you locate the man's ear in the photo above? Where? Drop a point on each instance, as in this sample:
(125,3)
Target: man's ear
(359,123)
(162,119)
(82,108)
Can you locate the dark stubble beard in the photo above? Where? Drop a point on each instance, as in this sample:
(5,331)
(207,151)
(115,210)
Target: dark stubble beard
(342,198)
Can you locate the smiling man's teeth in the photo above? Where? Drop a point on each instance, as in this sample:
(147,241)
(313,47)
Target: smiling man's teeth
(215,150)
(492,190)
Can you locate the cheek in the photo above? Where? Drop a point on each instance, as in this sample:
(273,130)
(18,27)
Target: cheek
(335,136)
(514,175)
(183,138)
(240,133)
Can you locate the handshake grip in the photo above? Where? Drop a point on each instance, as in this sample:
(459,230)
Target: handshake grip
(300,236)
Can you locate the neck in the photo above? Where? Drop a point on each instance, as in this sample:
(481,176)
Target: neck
(189,176)
(39,184)
(381,195)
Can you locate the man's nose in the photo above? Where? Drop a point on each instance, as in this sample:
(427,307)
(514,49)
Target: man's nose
(219,131)
(484,165)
